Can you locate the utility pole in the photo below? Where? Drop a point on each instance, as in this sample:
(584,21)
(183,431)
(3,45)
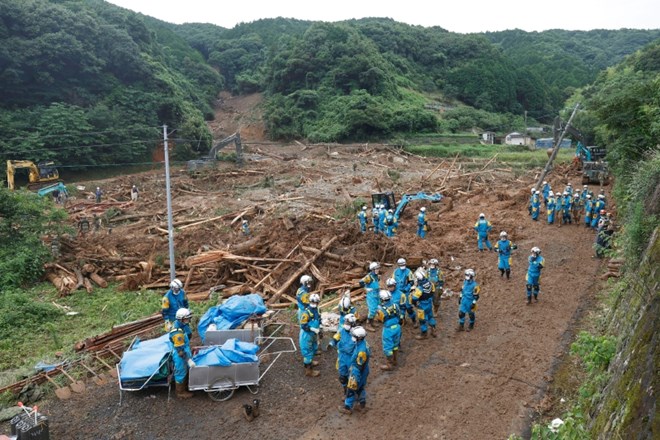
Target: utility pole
(555,150)
(170,227)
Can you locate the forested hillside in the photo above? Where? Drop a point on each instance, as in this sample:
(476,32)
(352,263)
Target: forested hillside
(84,82)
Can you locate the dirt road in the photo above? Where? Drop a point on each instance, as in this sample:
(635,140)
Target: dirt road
(479,385)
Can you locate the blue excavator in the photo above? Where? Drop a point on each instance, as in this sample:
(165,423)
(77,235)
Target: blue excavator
(389,201)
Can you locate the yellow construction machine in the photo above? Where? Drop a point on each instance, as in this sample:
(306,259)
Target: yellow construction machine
(39,174)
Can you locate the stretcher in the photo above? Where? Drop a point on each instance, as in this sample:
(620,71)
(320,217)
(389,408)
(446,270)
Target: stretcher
(220,382)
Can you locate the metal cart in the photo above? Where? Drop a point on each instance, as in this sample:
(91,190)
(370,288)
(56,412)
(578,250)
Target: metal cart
(221,382)
(162,376)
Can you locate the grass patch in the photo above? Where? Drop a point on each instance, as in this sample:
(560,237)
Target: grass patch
(35,329)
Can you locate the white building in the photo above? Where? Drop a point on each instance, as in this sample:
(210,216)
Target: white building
(516,138)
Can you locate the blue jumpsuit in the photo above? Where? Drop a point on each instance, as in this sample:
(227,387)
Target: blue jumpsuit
(343,342)
(343,313)
(170,303)
(424,302)
(483,227)
(308,340)
(390,224)
(404,281)
(536,207)
(421,225)
(374,219)
(362,217)
(504,248)
(566,205)
(534,275)
(437,278)
(381,220)
(392,318)
(600,204)
(546,192)
(359,373)
(550,210)
(302,296)
(245,228)
(588,208)
(371,284)
(180,339)
(467,301)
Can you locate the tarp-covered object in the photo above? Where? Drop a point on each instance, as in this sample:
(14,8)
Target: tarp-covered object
(144,358)
(231,352)
(232,313)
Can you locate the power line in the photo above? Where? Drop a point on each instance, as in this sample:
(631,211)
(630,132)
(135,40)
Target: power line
(6,152)
(86,133)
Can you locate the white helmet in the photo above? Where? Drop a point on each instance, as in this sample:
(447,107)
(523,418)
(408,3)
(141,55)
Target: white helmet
(244,221)
(314,300)
(176,285)
(545,182)
(420,273)
(364,208)
(564,193)
(503,234)
(345,304)
(469,273)
(385,295)
(576,195)
(305,280)
(183,313)
(358,333)
(433,262)
(350,319)
(482,215)
(533,190)
(551,193)
(390,211)
(423,209)
(401,262)
(537,192)
(588,196)
(601,196)
(374,265)
(390,282)
(569,184)
(536,250)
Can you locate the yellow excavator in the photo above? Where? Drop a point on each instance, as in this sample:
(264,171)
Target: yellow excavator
(39,174)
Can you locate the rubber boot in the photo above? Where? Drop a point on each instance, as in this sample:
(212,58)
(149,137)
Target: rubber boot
(343,409)
(311,372)
(421,336)
(415,323)
(471,326)
(389,365)
(182,391)
(536,298)
(529,300)
(433,332)
(502,273)
(362,407)
(248,412)
(508,274)
(370,325)
(394,360)
(460,327)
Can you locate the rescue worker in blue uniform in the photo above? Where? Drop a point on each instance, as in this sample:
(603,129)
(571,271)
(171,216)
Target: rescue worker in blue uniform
(180,335)
(362,218)
(390,313)
(437,278)
(245,228)
(483,227)
(343,342)
(397,296)
(310,333)
(467,301)
(583,194)
(422,224)
(391,223)
(576,208)
(345,308)
(569,189)
(374,218)
(371,283)
(536,264)
(382,213)
(550,208)
(359,372)
(566,206)
(536,205)
(173,300)
(559,201)
(588,209)
(302,295)
(546,192)
(598,206)
(405,280)
(422,298)
(531,200)
(504,247)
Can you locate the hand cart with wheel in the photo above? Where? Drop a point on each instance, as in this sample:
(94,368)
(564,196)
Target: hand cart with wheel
(146,364)
(220,382)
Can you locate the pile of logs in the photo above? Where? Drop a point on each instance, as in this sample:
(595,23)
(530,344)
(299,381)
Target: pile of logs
(613,268)
(119,333)
(69,279)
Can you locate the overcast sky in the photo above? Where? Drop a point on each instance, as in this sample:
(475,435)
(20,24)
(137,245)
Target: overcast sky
(456,16)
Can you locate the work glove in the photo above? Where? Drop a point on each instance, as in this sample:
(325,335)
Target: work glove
(191,363)
(474,306)
(352,383)
(314,330)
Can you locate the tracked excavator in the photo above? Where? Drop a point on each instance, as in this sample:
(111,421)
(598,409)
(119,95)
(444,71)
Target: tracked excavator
(39,175)
(589,159)
(194,166)
(389,201)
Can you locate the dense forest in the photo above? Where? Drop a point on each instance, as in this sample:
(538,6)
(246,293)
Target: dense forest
(84,82)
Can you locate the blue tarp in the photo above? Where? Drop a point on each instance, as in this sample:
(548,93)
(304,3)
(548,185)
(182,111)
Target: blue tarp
(231,352)
(232,313)
(144,358)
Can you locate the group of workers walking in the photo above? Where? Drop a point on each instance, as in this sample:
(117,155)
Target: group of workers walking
(384,221)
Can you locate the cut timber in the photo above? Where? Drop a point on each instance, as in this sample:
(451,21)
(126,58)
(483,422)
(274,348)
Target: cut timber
(213,256)
(80,283)
(98,280)
(300,271)
(88,285)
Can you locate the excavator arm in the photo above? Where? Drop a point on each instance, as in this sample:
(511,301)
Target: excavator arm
(419,196)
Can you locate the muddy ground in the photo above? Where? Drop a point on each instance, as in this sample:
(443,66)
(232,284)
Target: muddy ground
(486,384)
